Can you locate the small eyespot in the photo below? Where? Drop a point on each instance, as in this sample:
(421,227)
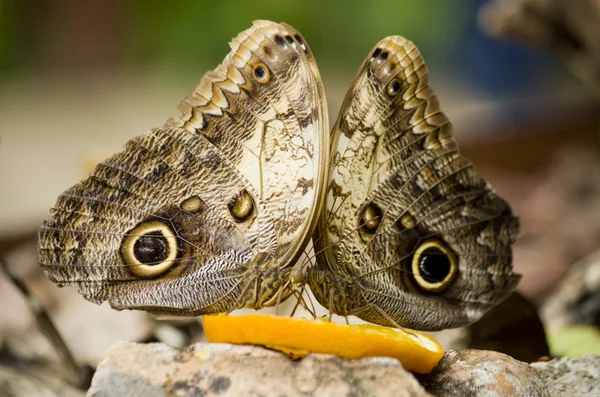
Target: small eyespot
(279,40)
(241,206)
(375,54)
(192,204)
(290,40)
(150,249)
(300,41)
(406,222)
(261,73)
(370,219)
(433,266)
(394,87)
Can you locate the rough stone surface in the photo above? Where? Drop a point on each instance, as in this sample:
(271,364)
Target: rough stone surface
(576,300)
(571,376)
(131,369)
(483,373)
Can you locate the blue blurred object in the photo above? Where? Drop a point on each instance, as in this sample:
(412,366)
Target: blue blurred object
(502,68)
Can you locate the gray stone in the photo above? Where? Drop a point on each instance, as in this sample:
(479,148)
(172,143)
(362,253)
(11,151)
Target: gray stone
(576,300)
(571,376)
(468,373)
(131,369)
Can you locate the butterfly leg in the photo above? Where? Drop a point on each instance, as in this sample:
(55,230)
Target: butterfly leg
(301,301)
(280,294)
(331,291)
(278,300)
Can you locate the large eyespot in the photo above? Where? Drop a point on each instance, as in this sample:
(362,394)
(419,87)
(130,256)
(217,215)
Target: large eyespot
(433,266)
(150,249)
(241,206)
(394,87)
(261,73)
(370,219)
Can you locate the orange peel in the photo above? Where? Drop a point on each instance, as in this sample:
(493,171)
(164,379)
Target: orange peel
(297,337)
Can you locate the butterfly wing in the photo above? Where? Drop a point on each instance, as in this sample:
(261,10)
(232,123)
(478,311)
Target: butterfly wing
(208,212)
(411,235)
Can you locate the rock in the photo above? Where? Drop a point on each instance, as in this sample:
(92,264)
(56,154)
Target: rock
(131,369)
(576,300)
(482,373)
(573,376)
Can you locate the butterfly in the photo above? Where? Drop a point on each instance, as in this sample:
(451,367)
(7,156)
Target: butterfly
(211,212)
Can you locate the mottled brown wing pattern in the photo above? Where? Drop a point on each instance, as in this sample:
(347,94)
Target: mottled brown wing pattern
(410,235)
(209,212)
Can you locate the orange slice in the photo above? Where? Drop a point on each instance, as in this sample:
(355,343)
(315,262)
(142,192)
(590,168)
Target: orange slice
(297,337)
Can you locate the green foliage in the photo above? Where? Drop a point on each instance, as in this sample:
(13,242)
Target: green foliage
(156,34)
(575,341)
(195,32)
(9,49)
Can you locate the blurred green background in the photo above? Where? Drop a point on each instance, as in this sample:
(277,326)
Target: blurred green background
(79,78)
(187,36)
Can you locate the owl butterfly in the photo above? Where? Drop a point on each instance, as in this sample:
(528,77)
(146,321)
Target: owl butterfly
(210,212)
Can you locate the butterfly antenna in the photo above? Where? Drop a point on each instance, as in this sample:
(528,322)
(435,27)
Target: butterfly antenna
(307,258)
(81,375)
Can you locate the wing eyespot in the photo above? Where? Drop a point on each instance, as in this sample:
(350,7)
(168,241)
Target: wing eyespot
(407,221)
(394,87)
(375,54)
(379,55)
(369,220)
(192,204)
(279,41)
(290,40)
(150,249)
(241,206)
(261,73)
(434,266)
(300,41)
